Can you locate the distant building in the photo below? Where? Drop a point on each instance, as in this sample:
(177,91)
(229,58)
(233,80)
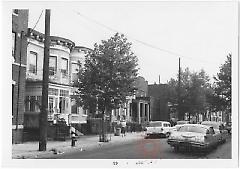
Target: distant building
(159,94)
(140,106)
(136,109)
(19,60)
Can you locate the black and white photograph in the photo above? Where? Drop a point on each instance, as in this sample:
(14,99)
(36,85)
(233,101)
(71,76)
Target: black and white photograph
(120,84)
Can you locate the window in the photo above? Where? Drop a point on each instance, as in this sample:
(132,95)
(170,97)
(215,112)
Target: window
(194,129)
(52,91)
(75,68)
(85,112)
(64,67)
(33,62)
(63,104)
(13,43)
(155,124)
(38,103)
(166,125)
(15,11)
(64,93)
(74,107)
(51,105)
(52,65)
(32,103)
(27,103)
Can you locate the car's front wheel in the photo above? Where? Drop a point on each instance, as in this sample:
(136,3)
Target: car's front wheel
(167,134)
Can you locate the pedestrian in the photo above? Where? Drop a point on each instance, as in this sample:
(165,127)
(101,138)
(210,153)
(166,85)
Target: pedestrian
(123,128)
(73,136)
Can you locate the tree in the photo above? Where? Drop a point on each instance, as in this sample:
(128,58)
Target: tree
(223,86)
(107,76)
(194,87)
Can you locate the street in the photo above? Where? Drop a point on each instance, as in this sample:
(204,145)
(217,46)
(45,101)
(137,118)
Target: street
(147,149)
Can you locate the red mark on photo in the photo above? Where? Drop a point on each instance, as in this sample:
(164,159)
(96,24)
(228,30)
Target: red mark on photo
(149,148)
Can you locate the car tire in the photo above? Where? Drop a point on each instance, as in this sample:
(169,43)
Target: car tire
(167,134)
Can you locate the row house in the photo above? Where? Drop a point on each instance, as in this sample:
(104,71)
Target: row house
(140,106)
(19,59)
(78,116)
(137,107)
(64,59)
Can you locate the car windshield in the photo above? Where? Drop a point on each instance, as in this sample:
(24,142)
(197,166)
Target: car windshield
(182,122)
(166,125)
(155,124)
(194,129)
(214,125)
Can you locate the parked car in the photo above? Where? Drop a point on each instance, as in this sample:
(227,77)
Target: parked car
(193,136)
(219,129)
(158,128)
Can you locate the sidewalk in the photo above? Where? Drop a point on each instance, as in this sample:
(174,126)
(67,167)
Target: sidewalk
(84,143)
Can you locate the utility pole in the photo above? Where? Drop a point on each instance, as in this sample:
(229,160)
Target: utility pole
(159,80)
(43,119)
(179,85)
(19,77)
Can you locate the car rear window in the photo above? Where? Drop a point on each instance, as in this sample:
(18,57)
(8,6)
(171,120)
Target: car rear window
(182,122)
(155,124)
(166,125)
(214,125)
(194,129)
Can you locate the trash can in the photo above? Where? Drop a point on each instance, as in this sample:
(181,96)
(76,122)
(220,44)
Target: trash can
(117,131)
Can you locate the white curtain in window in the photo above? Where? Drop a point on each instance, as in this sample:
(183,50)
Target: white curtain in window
(64,64)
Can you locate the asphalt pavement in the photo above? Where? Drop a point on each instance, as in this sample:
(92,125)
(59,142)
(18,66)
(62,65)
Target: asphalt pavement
(148,149)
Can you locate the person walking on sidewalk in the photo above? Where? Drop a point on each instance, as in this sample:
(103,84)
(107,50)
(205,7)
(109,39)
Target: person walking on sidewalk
(123,127)
(73,136)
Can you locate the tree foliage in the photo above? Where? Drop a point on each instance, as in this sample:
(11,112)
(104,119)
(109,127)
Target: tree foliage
(107,75)
(191,97)
(222,86)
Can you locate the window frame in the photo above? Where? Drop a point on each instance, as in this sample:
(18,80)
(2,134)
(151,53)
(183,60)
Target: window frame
(75,72)
(14,44)
(64,74)
(32,107)
(34,53)
(55,71)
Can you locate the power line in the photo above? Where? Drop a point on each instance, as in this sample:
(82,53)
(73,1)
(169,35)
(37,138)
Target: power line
(142,42)
(37,21)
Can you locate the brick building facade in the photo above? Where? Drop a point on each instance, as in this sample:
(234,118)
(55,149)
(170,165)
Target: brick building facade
(159,94)
(19,56)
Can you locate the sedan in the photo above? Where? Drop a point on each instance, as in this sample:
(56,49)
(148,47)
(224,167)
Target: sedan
(193,136)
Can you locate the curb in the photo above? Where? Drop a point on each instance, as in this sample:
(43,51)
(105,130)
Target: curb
(87,145)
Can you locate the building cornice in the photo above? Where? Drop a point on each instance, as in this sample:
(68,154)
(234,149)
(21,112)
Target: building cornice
(55,40)
(81,48)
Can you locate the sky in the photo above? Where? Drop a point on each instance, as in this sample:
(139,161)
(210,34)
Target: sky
(201,33)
